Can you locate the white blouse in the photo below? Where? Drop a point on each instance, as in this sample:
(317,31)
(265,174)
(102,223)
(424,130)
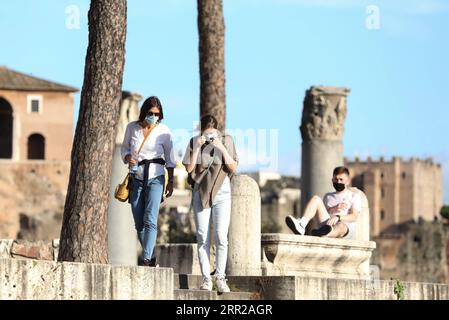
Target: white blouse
(159,144)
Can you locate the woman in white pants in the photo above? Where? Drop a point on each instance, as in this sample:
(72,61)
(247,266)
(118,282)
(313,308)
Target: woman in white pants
(211,160)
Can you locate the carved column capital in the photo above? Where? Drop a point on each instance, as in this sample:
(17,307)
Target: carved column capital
(324,113)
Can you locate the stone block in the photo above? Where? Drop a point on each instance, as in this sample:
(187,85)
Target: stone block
(82,281)
(141,283)
(29,279)
(48,280)
(39,250)
(287,254)
(182,257)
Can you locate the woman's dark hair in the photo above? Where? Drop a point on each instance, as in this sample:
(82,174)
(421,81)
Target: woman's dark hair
(151,102)
(340,170)
(208,121)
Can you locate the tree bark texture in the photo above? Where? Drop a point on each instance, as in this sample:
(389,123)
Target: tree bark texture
(84,230)
(212,60)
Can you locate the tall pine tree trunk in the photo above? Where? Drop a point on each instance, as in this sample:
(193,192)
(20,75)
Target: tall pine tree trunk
(212,61)
(84,229)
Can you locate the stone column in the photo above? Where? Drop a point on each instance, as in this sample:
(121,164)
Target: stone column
(122,236)
(322,128)
(244,253)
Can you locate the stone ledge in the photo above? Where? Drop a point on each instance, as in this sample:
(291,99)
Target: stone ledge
(316,288)
(287,254)
(49,280)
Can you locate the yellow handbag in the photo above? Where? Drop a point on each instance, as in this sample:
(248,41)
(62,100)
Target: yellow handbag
(122,190)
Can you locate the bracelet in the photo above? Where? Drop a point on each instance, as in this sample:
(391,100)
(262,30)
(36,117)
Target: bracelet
(339,217)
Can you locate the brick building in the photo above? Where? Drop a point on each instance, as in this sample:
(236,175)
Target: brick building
(398,191)
(36,117)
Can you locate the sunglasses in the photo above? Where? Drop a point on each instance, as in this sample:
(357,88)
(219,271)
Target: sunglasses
(154,114)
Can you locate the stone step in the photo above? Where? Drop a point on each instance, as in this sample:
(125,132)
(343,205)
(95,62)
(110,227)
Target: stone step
(235,283)
(242,288)
(194,294)
(239,296)
(187,281)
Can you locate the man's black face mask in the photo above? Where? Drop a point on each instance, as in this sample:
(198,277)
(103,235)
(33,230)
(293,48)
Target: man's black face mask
(339,186)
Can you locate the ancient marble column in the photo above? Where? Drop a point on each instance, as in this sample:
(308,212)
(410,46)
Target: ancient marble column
(322,129)
(122,236)
(244,251)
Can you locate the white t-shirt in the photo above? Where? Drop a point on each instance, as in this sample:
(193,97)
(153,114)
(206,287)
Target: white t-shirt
(351,198)
(158,145)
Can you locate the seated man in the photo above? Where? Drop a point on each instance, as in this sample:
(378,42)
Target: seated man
(337,212)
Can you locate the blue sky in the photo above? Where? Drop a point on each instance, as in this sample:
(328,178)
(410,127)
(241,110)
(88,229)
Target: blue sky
(275,50)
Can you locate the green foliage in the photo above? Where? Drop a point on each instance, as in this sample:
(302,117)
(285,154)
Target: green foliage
(444,212)
(399,289)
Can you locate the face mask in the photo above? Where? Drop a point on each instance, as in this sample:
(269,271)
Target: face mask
(151,119)
(339,186)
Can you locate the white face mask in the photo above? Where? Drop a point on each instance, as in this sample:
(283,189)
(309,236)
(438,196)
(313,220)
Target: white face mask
(151,119)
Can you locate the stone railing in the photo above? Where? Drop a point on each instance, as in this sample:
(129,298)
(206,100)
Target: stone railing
(50,280)
(29,271)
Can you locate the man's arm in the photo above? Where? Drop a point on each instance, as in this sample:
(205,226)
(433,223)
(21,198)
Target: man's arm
(354,211)
(350,217)
(338,207)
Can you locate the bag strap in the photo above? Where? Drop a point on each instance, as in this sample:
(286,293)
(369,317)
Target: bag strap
(143,142)
(207,170)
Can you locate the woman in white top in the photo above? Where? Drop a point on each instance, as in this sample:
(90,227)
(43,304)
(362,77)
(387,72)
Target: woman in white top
(148,174)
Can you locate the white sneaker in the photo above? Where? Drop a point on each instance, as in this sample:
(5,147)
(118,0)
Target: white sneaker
(222,286)
(295,225)
(207,284)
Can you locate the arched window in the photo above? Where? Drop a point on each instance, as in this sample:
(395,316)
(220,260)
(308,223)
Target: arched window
(6,116)
(36,147)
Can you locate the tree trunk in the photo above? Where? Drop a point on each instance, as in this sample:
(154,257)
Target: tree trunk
(212,63)
(84,228)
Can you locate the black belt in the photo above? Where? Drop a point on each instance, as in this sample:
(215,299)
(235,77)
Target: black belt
(146,163)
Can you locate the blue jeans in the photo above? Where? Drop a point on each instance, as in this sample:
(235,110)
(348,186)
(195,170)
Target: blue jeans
(220,212)
(146,212)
